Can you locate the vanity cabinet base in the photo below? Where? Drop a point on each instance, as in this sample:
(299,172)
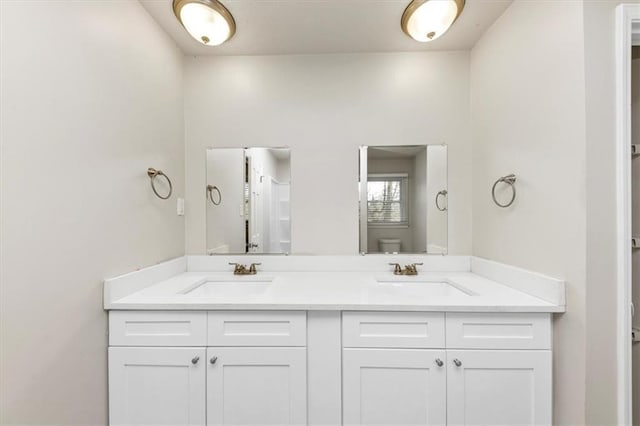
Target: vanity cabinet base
(420,369)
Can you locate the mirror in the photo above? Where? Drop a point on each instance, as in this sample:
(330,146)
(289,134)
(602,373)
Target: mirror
(248,193)
(403,199)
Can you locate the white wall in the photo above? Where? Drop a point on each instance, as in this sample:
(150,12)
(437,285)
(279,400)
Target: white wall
(528,118)
(91,97)
(324,107)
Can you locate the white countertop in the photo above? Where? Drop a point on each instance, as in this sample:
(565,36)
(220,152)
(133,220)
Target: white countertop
(326,290)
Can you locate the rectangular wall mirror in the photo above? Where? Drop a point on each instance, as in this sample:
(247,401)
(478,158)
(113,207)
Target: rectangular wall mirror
(403,199)
(248,207)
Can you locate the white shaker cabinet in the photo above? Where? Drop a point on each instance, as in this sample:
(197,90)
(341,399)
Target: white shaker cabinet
(242,368)
(157,386)
(256,386)
(499,387)
(394,387)
(491,369)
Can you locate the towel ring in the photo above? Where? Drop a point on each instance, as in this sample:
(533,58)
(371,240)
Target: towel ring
(509,180)
(210,189)
(444,194)
(153,174)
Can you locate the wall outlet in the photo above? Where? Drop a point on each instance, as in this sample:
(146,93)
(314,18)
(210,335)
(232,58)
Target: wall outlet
(180,207)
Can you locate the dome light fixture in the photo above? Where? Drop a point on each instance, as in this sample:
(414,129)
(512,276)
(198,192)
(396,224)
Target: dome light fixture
(426,20)
(208,21)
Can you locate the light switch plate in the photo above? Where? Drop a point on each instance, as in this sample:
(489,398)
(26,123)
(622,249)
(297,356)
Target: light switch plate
(180,207)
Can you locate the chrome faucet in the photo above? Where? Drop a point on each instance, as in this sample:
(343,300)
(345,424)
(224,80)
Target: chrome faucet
(408,269)
(240,269)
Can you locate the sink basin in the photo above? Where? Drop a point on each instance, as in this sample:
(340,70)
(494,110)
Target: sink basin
(225,287)
(422,287)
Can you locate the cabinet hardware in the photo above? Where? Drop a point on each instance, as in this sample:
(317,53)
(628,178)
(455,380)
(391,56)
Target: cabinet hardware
(439,362)
(213,360)
(195,360)
(457,362)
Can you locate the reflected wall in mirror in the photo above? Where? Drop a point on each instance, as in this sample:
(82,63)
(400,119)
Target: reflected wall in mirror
(248,199)
(403,199)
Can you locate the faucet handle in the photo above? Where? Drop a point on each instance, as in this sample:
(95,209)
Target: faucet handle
(397,269)
(237,266)
(413,268)
(252,267)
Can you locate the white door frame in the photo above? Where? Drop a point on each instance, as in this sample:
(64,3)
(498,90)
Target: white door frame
(627,32)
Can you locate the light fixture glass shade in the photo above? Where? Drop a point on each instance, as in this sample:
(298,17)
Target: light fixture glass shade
(426,20)
(207,21)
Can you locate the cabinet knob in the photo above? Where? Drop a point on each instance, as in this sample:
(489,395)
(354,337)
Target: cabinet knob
(439,362)
(195,360)
(213,360)
(457,362)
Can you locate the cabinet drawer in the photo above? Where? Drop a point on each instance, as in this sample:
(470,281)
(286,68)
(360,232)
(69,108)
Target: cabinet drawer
(498,331)
(142,328)
(253,328)
(392,330)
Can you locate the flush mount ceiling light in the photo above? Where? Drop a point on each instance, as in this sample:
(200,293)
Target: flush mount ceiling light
(426,20)
(208,21)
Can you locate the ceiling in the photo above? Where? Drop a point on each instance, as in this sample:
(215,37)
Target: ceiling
(282,27)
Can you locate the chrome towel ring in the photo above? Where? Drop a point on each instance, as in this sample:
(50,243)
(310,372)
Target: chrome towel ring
(509,180)
(444,194)
(210,189)
(153,174)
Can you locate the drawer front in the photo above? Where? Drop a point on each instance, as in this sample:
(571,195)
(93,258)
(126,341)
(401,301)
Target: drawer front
(251,328)
(393,330)
(142,328)
(498,331)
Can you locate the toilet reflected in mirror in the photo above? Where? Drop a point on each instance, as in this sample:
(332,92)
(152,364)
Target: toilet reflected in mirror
(403,199)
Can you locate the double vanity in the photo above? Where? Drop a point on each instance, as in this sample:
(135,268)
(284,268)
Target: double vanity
(331,340)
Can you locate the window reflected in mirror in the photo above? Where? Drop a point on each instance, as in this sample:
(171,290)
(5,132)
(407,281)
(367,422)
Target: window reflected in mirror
(248,200)
(403,199)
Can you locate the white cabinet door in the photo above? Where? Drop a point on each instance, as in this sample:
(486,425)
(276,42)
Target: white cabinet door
(256,386)
(157,386)
(499,388)
(394,387)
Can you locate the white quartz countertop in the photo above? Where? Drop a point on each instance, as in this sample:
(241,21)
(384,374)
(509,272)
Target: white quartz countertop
(368,291)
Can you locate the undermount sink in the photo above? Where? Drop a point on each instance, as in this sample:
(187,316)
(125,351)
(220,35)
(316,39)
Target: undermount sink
(422,287)
(237,286)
